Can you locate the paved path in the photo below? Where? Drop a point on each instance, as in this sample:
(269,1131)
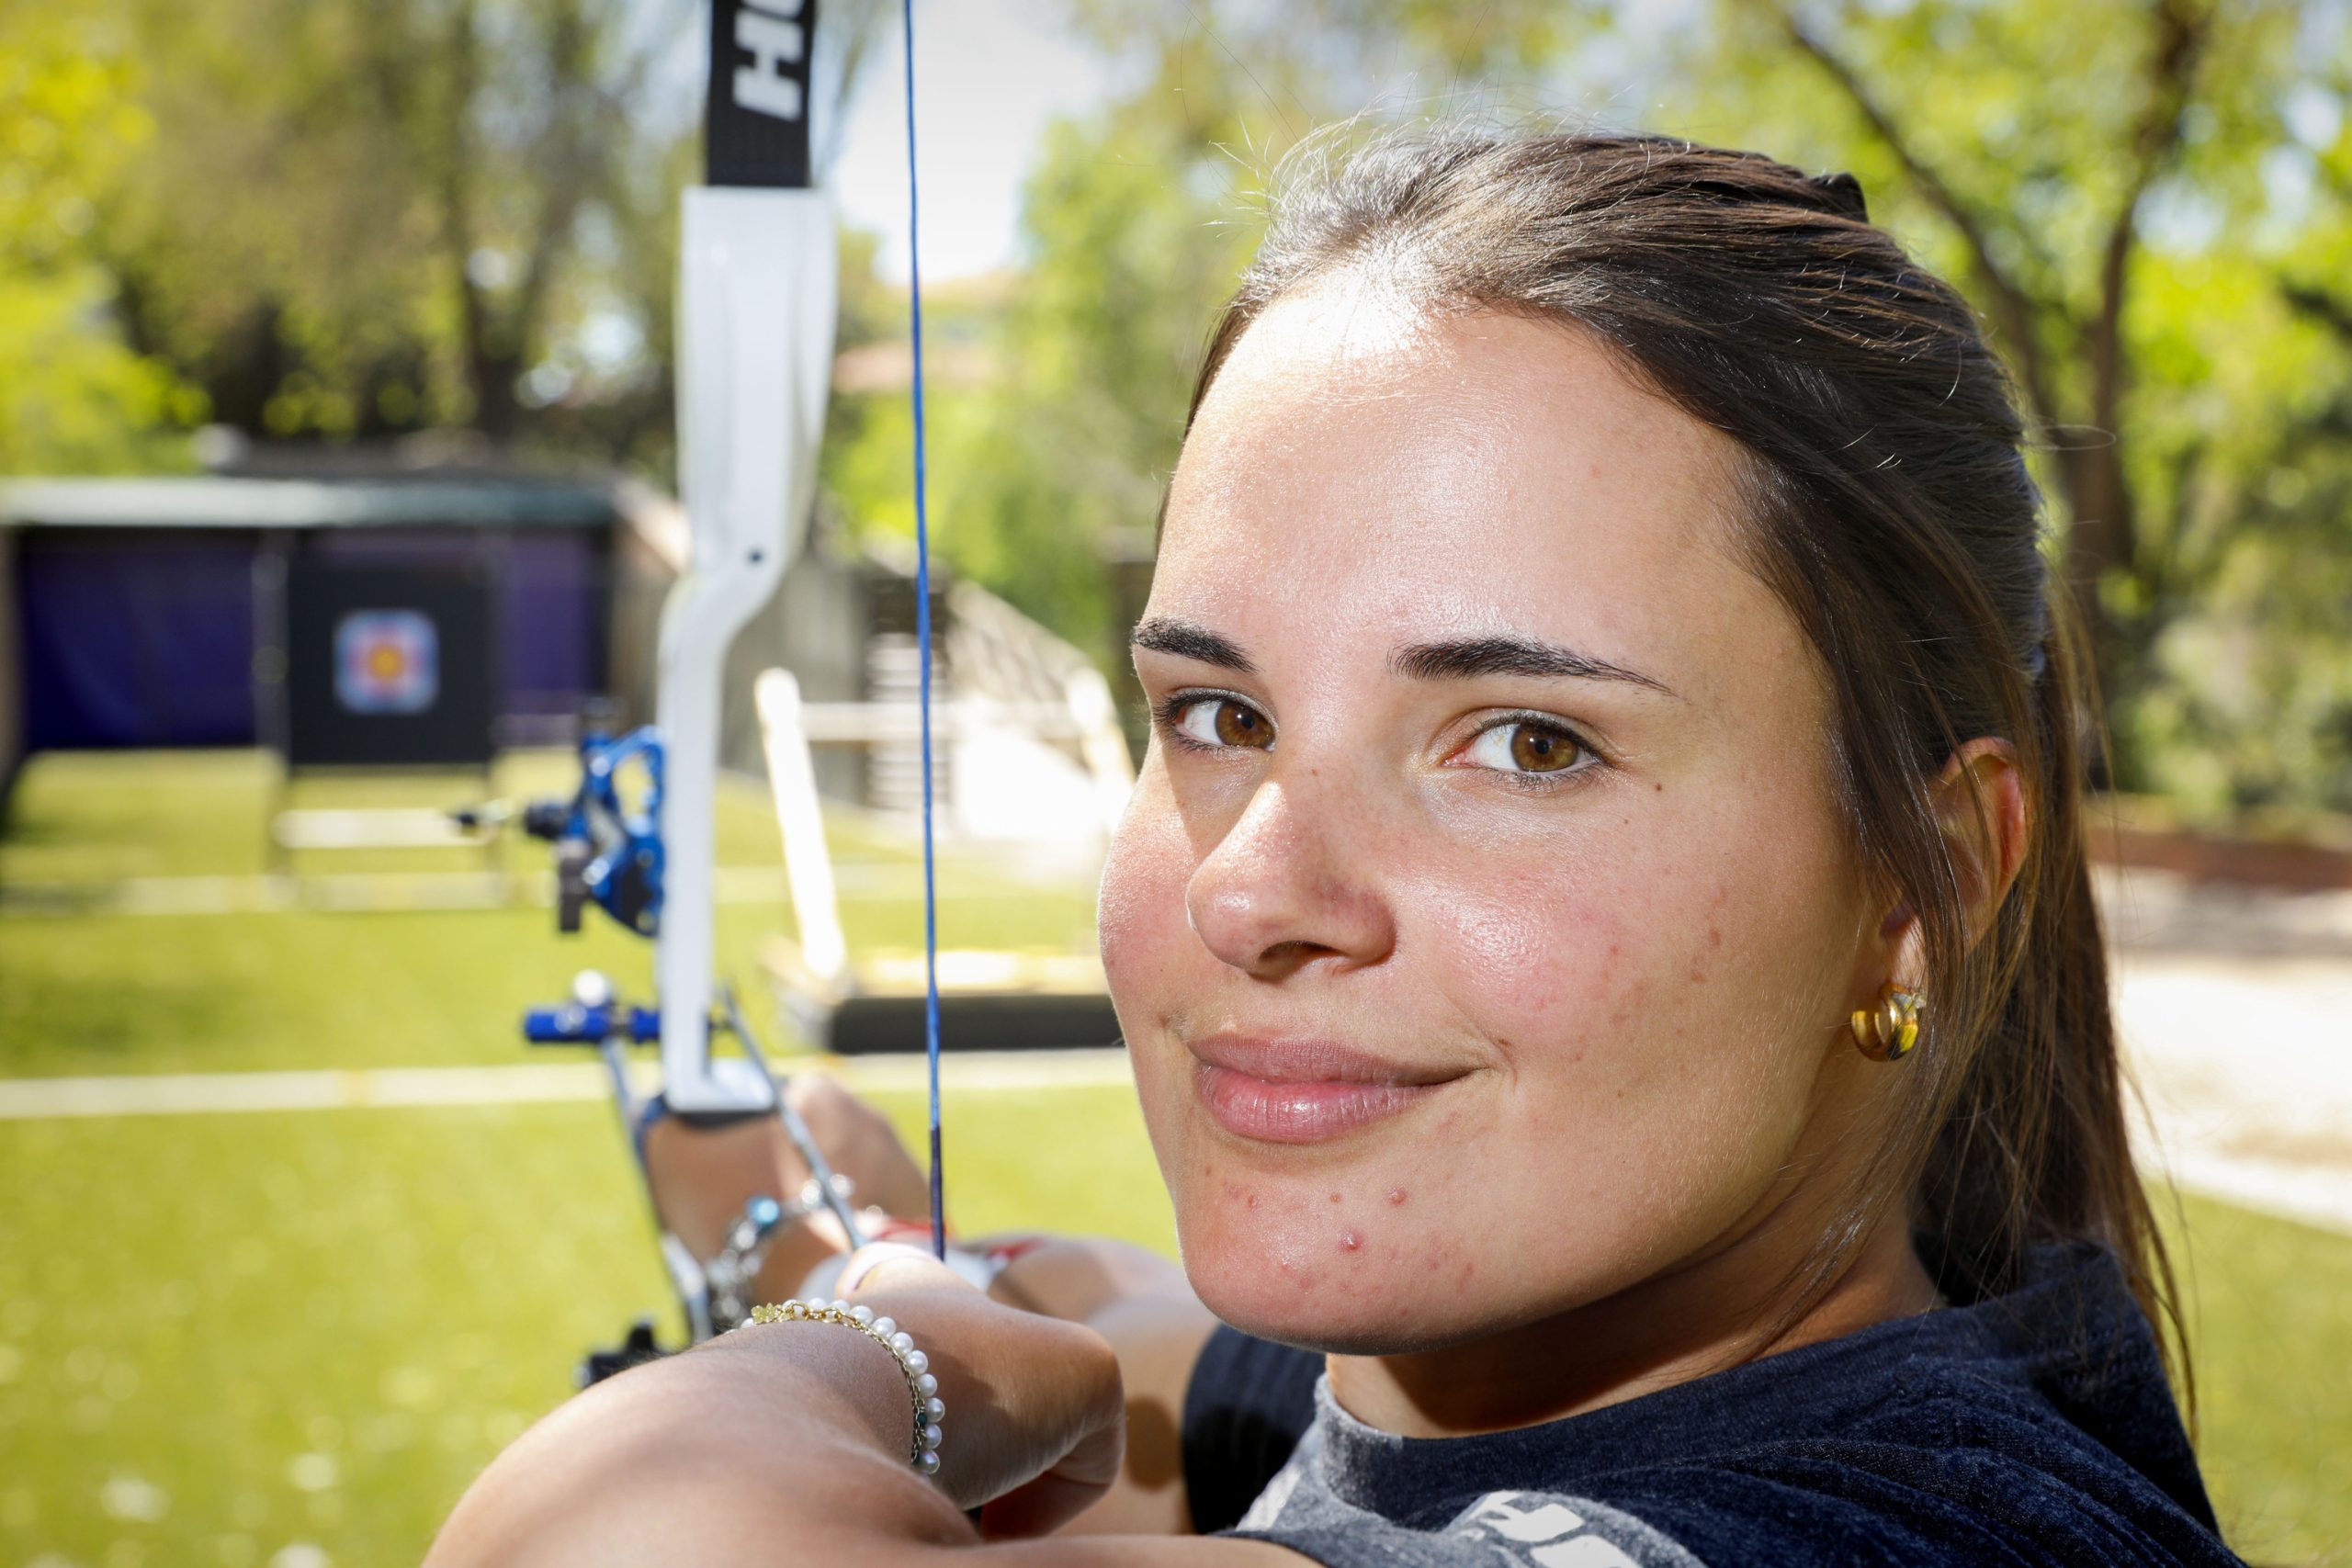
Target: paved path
(2244,1067)
(2235,1011)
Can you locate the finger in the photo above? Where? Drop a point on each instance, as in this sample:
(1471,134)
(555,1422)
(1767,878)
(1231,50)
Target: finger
(894,1266)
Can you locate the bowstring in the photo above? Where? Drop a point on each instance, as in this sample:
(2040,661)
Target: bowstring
(923,654)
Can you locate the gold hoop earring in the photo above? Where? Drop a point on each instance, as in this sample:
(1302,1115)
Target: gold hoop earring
(1887,1032)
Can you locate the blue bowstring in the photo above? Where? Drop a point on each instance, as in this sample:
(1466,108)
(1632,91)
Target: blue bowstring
(923,652)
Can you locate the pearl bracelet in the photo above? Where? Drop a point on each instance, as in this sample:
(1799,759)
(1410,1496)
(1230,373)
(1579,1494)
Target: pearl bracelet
(922,1387)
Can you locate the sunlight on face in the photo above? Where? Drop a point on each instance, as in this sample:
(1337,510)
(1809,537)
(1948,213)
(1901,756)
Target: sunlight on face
(1483,924)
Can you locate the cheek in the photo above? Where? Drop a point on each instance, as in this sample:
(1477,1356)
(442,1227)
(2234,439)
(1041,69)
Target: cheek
(1140,905)
(1653,1012)
(1152,962)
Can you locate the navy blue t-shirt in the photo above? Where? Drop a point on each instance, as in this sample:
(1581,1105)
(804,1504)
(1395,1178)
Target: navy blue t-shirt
(2031,1428)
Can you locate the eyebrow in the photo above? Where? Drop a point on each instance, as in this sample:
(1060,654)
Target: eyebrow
(1463,658)
(1454,659)
(1185,641)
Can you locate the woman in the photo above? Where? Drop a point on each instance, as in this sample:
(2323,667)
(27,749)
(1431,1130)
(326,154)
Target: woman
(1604,940)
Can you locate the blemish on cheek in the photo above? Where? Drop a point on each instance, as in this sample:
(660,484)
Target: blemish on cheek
(1468,1268)
(1253,1200)
(1350,1241)
(1335,1197)
(1715,936)
(1396,1195)
(1698,977)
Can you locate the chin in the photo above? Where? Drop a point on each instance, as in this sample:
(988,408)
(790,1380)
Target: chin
(1304,1271)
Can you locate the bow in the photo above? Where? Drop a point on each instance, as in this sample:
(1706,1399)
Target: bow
(757,297)
(757,300)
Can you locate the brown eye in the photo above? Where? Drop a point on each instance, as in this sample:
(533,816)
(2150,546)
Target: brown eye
(1526,747)
(1237,726)
(1221,721)
(1541,750)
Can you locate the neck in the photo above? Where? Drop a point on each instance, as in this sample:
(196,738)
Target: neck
(1667,1330)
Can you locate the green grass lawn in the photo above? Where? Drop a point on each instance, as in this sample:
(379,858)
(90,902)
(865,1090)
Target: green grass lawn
(305,988)
(224,1336)
(227,1337)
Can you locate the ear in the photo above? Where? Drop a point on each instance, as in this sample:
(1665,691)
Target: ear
(1979,800)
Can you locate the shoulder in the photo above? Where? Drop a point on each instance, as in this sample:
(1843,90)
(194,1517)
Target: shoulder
(2029,1431)
(1852,1505)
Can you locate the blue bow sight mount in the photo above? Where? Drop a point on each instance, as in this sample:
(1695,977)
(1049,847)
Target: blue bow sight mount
(606,854)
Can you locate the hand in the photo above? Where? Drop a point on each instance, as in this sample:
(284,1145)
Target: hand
(1035,1418)
(702,1177)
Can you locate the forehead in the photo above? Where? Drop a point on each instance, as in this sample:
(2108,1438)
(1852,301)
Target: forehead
(1426,476)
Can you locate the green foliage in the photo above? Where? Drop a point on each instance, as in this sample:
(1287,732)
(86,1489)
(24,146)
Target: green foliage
(74,396)
(363,219)
(2161,262)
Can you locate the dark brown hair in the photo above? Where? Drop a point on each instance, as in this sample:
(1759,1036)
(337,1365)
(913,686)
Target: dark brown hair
(1889,505)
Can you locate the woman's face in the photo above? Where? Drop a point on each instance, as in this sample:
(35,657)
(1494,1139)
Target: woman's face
(1484,925)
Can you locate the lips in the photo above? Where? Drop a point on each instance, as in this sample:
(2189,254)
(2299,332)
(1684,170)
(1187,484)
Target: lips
(1302,1091)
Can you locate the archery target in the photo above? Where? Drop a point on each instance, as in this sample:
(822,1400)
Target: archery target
(387,661)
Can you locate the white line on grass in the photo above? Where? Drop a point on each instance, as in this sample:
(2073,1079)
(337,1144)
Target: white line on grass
(2320,1197)
(189,1094)
(342,891)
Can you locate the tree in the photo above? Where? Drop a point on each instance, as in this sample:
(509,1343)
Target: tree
(74,396)
(2138,252)
(364,217)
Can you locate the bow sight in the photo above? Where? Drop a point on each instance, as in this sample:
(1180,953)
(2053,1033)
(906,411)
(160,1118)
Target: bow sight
(606,854)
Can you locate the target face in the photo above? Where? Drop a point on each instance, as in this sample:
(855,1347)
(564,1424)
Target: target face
(387,661)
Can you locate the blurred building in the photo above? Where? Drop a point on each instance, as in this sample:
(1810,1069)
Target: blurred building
(147,613)
(162,613)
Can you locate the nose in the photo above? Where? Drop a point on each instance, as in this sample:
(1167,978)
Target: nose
(1286,888)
